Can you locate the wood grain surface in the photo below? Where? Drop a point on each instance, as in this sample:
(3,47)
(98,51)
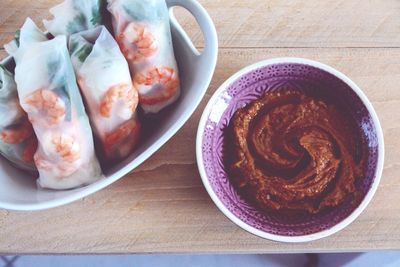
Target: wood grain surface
(162,205)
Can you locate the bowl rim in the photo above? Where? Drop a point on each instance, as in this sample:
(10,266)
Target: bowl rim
(302,238)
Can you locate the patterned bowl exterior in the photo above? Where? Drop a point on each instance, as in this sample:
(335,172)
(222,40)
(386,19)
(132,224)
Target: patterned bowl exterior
(251,86)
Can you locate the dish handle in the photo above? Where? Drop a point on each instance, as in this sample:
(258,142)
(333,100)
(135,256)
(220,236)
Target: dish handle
(206,26)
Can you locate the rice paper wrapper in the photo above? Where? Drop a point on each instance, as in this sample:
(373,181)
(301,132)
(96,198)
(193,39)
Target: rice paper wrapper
(142,30)
(73,16)
(105,82)
(48,93)
(17,140)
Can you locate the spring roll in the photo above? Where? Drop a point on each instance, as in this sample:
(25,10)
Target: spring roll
(17,140)
(73,16)
(142,30)
(48,93)
(105,82)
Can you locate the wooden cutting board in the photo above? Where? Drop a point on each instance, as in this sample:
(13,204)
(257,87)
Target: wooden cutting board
(162,206)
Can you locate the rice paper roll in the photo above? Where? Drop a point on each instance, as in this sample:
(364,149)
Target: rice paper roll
(73,16)
(17,140)
(48,93)
(106,85)
(142,30)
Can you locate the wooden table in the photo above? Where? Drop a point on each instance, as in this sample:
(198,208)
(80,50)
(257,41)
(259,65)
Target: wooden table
(162,206)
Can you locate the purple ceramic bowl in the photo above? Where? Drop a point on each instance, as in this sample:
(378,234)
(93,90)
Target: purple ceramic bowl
(249,84)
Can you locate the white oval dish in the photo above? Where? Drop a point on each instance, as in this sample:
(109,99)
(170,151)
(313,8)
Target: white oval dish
(19,192)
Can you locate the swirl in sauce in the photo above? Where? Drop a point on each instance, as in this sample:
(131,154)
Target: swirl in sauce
(294,152)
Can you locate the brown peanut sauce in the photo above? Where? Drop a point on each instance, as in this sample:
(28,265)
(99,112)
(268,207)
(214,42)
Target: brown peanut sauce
(293,152)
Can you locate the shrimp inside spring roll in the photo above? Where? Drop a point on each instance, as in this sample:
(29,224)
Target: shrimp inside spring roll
(48,93)
(18,142)
(142,31)
(106,84)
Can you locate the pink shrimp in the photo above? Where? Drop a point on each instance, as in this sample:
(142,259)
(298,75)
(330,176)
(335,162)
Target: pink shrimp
(68,149)
(161,82)
(63,169)
(29,150)
(47,102)
(131,129)
(127,94)
(137,43)
(17,134)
